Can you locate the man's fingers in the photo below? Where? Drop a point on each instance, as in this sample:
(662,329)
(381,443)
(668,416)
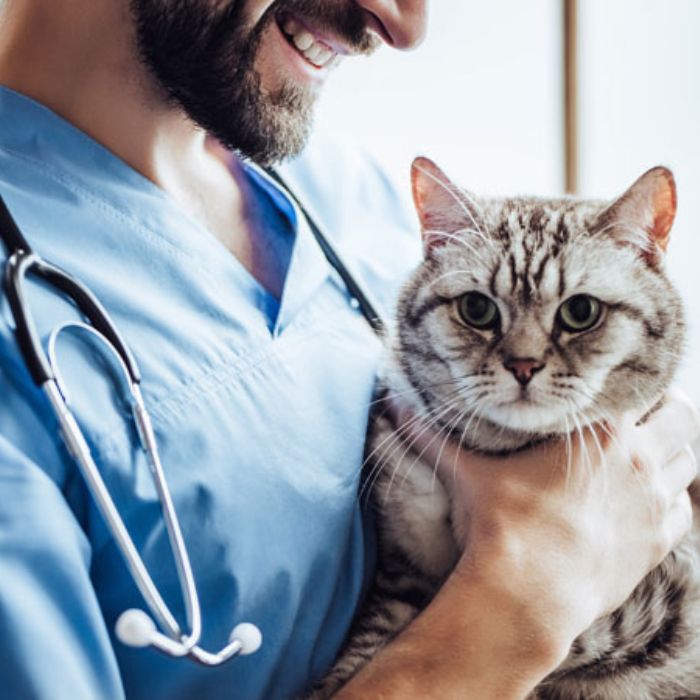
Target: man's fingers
(678,522)
(679,473)
(668,430)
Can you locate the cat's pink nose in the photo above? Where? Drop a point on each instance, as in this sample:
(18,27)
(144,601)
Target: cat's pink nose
(523,368)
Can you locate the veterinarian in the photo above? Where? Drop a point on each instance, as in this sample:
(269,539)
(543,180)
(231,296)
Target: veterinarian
(257,367)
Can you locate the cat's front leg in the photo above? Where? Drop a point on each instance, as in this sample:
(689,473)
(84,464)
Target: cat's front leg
(414,509)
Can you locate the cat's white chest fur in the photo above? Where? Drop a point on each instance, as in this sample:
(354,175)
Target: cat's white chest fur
(416,509)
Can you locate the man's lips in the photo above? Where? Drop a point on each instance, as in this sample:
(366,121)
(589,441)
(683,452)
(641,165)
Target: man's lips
(319,48)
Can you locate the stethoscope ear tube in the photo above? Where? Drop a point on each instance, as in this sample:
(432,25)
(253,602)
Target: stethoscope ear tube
(22,262)
(9,232)
(361,297)
(28,340)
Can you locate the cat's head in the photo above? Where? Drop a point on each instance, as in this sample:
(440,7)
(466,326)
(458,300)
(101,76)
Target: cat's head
(530,313)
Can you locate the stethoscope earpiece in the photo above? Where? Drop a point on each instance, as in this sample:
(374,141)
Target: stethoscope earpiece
(135,628)
(249,636)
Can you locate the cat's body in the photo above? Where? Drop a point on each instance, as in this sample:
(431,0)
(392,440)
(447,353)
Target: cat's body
(496,345)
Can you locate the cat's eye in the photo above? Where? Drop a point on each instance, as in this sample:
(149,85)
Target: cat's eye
(478,311)
(579,313)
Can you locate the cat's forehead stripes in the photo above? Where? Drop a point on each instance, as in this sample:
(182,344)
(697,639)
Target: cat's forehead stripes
(533,236)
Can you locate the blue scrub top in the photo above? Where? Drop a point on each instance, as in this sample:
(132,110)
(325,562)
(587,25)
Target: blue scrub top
(260,409)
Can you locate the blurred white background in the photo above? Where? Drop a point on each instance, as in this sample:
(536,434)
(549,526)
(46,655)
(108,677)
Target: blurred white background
(483,96)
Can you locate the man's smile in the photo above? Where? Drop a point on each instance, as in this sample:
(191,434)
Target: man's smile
(317,49)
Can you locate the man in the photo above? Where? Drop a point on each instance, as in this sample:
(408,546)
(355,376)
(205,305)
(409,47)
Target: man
(258,372)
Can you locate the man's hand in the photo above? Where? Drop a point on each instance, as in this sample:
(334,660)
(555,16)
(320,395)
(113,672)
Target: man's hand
(568,536)
(554,538)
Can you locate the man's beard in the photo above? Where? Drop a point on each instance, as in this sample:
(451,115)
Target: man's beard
(203,57)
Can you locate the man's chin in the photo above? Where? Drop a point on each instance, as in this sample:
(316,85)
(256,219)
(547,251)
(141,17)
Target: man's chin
(268,133)
(219,82)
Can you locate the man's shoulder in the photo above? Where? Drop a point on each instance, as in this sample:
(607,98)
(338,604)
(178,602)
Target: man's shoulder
(367,215)
(338,176)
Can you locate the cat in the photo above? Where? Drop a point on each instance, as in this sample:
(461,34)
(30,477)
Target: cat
(529,318)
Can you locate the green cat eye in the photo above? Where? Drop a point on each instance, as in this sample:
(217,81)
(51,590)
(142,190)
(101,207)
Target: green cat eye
(579,313)
(478,311)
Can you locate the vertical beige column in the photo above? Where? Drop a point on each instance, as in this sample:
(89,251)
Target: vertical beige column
(570,74)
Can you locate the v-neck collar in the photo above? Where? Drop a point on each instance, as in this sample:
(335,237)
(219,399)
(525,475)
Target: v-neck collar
(308,267)
(33,131)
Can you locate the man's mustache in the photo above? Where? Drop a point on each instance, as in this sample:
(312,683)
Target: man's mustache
(342,18)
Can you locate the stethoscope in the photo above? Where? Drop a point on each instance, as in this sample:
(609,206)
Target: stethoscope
(134,627)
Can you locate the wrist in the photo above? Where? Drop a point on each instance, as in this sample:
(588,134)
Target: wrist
(472,642)
(531,637)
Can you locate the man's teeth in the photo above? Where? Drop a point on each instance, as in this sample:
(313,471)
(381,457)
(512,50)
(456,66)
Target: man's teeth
(313,51)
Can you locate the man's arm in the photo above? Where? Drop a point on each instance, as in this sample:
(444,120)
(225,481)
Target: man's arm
(550,548)
(466,645)
(55,642)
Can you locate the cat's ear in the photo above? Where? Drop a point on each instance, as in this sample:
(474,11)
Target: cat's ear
(443,208)
(643,215)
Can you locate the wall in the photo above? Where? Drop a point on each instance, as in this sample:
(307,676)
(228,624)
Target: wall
(640,106)
(481,96)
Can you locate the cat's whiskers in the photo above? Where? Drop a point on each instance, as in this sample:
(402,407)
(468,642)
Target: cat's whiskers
(409,447)
(397,438)
(479,414)
(593,430)
(447,432)
(463,395)
(473,409)
(413,391)
(593,426)
(568,448)
(397,435)
(476,410)
(394,440)
(583,447)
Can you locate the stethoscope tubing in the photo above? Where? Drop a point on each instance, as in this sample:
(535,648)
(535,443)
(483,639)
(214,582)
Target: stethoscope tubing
(21,263)
(80,451)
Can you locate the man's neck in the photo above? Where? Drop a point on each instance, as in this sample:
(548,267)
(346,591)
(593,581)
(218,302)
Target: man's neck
(77,57)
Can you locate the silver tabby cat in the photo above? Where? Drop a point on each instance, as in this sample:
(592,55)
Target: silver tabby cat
(530,318)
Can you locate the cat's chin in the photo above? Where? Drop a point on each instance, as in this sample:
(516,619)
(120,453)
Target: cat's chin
(526,417)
